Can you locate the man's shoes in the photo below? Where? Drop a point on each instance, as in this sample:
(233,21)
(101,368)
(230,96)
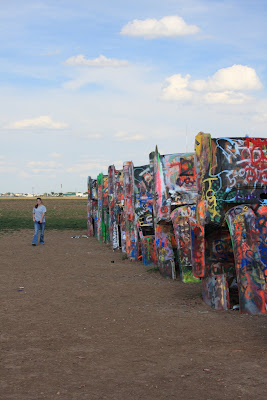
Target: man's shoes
(33,244)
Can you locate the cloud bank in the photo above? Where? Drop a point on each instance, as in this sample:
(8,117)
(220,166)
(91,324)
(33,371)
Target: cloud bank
(99,62)
(42,122)
(170,26)
(226,86)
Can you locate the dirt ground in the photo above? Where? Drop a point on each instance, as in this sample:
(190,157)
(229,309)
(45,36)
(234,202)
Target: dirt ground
(89,325)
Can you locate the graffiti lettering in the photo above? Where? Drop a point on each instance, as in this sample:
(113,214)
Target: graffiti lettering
(211,198)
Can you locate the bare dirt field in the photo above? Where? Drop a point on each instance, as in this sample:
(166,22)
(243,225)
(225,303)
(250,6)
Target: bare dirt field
(89,325)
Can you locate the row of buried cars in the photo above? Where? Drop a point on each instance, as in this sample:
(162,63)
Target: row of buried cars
(197,216)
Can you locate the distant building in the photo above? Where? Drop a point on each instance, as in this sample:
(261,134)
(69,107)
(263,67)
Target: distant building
(69,194)
(80,194)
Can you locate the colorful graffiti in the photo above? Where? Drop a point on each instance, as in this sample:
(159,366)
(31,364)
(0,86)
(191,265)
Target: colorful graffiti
(143,209)
(138,213)
(114,202)
(174,206)
(131,235)
(90,224)
(165,253)
(199,216)
(181,217)
(216,292)
(148,249)
(92,207)
(229,236)
(230,171)
(249,265)
(100,219)
(174,183)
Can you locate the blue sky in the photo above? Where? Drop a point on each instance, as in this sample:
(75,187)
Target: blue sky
(85,84)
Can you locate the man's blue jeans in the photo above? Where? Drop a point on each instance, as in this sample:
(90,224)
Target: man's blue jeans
(36,233)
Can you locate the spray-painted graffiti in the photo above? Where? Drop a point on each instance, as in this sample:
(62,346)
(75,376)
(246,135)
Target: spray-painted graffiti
(261,226)
(92,208)
(216,292)
(148,248)
(165,254)
(174,183)
(111,200)
(143,207)
(229,236)
(138,214)
(200,216)
(231,171)
(173,205)
(131,235)
(250,268)
(143,197)
(115,206)
(103,211)
(181,224)
(198,250)
(90,225)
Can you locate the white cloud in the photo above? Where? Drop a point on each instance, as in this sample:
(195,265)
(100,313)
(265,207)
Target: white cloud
(226,86)
(126,137)
(227,97)
(177,88)
(170,26)
(42,122)
(100,61)
(236,78)
(134,78)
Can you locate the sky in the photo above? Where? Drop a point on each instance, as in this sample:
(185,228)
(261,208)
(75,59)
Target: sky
(85,84)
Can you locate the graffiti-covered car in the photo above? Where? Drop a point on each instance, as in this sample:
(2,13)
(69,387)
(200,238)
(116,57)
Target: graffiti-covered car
(138,213)
(174,204)
(229,242)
